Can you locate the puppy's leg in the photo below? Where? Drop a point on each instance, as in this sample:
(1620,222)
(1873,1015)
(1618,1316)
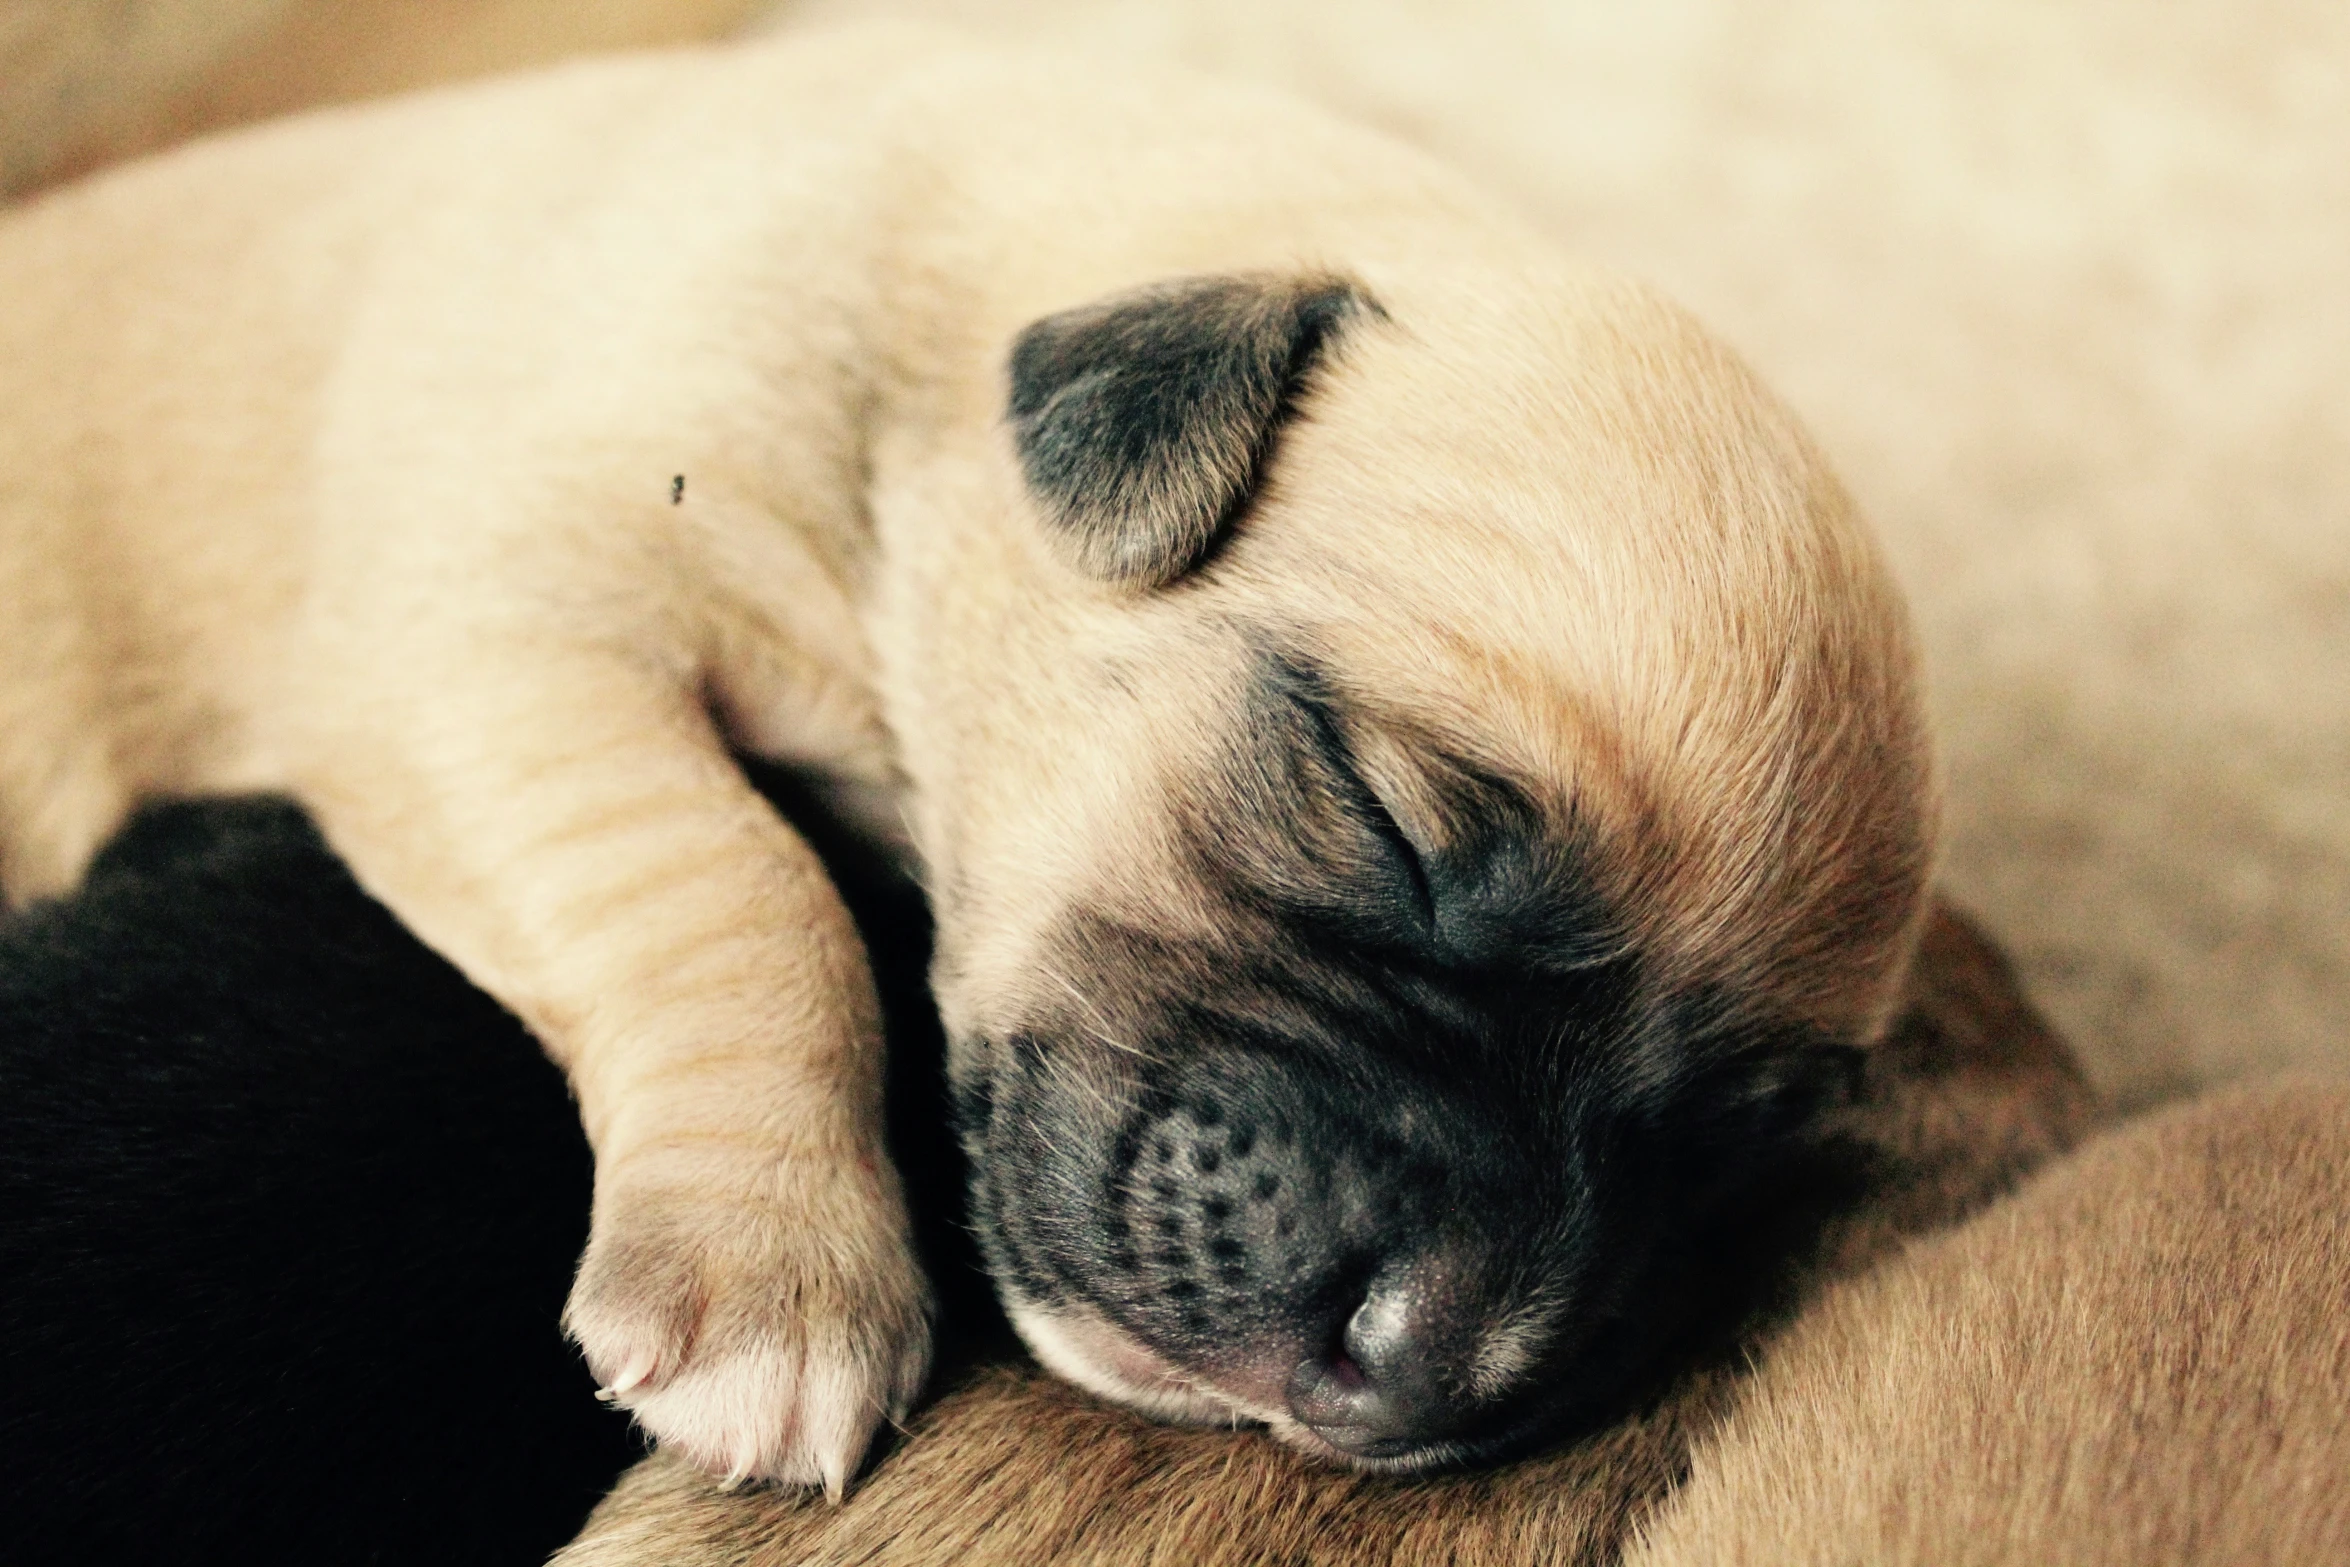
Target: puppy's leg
(564,824)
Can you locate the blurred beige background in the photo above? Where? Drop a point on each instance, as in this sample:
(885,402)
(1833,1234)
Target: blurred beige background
(2064,287)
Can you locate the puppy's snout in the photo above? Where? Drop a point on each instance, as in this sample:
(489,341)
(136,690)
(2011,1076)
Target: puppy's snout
(1352,1258)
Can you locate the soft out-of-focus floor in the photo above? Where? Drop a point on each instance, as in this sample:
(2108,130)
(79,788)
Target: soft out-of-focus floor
(2062,286)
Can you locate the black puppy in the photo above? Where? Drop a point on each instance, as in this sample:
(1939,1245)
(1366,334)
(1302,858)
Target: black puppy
(271,1176)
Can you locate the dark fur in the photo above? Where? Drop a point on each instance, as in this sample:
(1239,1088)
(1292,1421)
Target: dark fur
(274,1183)
(1143,422)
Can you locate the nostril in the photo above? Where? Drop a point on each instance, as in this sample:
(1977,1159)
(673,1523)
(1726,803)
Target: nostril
(1377,1388)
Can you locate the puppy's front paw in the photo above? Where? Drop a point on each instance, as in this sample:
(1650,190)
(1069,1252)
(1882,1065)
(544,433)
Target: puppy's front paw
(763,1334)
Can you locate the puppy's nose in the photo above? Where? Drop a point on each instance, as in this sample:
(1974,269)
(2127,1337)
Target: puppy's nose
(1386,1382)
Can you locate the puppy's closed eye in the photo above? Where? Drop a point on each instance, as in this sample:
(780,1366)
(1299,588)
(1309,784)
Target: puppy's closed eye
(1396,856)
(1383,839)
(1298,829)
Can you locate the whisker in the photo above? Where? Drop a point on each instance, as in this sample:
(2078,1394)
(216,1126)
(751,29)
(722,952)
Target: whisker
(1095,1024)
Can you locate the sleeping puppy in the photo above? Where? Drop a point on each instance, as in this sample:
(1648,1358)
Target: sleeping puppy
(1416,764)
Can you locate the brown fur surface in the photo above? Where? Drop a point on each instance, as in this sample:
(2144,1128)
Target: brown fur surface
(2140,1359)
(1011,1467)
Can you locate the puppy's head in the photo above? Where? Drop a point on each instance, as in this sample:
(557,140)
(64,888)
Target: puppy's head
(1445,793)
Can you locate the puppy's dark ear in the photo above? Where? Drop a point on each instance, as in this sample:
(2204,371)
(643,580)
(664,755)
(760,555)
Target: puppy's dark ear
(1144,421)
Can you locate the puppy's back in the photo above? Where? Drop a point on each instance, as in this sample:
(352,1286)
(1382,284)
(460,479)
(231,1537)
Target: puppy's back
(2144,1358)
